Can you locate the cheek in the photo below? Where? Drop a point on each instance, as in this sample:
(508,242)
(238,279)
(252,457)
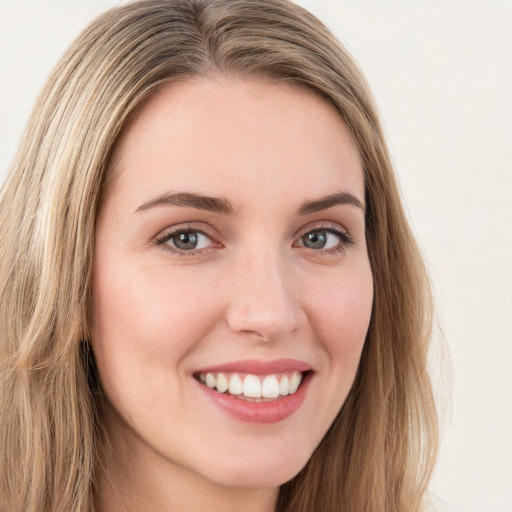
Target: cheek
(145,318)
(341,316)
(339,309)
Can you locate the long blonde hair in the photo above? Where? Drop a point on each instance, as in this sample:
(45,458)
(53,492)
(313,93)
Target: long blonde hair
(379,452)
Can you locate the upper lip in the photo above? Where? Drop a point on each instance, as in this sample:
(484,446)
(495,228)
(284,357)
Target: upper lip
(258,367)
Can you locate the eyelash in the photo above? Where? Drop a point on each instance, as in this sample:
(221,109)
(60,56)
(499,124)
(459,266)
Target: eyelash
(345,240)
(165,237)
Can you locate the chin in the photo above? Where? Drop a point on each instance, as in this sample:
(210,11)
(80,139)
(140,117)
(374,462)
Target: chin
(254,472)
(247,479)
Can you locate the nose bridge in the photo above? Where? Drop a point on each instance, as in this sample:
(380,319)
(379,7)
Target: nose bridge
(263,299)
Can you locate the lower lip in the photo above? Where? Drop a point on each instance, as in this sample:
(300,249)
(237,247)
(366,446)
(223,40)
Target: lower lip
(259,412)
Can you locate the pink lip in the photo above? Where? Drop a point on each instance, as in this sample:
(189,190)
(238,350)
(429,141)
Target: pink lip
(258,412)
(258,367)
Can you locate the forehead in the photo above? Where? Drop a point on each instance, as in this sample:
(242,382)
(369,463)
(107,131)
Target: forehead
(236,135)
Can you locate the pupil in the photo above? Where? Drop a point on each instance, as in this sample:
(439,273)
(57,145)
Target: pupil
(315,240)
(185,241)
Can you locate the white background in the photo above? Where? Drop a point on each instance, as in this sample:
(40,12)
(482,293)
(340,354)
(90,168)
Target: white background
(441,72)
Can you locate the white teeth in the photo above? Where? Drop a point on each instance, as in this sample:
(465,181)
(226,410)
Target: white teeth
(270,386)
(235,385)
(252,386)
(210,380)
(284,386)
(222,383)
(294,382)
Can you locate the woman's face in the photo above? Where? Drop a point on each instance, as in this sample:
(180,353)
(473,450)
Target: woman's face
(230,254)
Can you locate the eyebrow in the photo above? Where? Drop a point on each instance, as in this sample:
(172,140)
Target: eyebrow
(224,206)
(329,201)
(212,204)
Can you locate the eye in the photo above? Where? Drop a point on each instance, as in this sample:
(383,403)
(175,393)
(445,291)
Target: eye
(325,239)
(320,240)
(186,240)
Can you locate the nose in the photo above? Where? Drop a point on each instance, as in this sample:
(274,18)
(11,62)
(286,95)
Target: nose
(263,301)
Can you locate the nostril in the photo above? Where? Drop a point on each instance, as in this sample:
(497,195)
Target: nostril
(259,335)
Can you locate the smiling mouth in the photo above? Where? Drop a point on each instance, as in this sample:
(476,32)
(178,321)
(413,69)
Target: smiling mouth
(253,388)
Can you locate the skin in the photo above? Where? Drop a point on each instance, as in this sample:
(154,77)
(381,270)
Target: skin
(253,290)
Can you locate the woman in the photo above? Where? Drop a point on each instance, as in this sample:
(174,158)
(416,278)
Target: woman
(211,298)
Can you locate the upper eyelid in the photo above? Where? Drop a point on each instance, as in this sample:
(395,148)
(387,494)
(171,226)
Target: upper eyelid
(210,232)
(315,226)
(189,226)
